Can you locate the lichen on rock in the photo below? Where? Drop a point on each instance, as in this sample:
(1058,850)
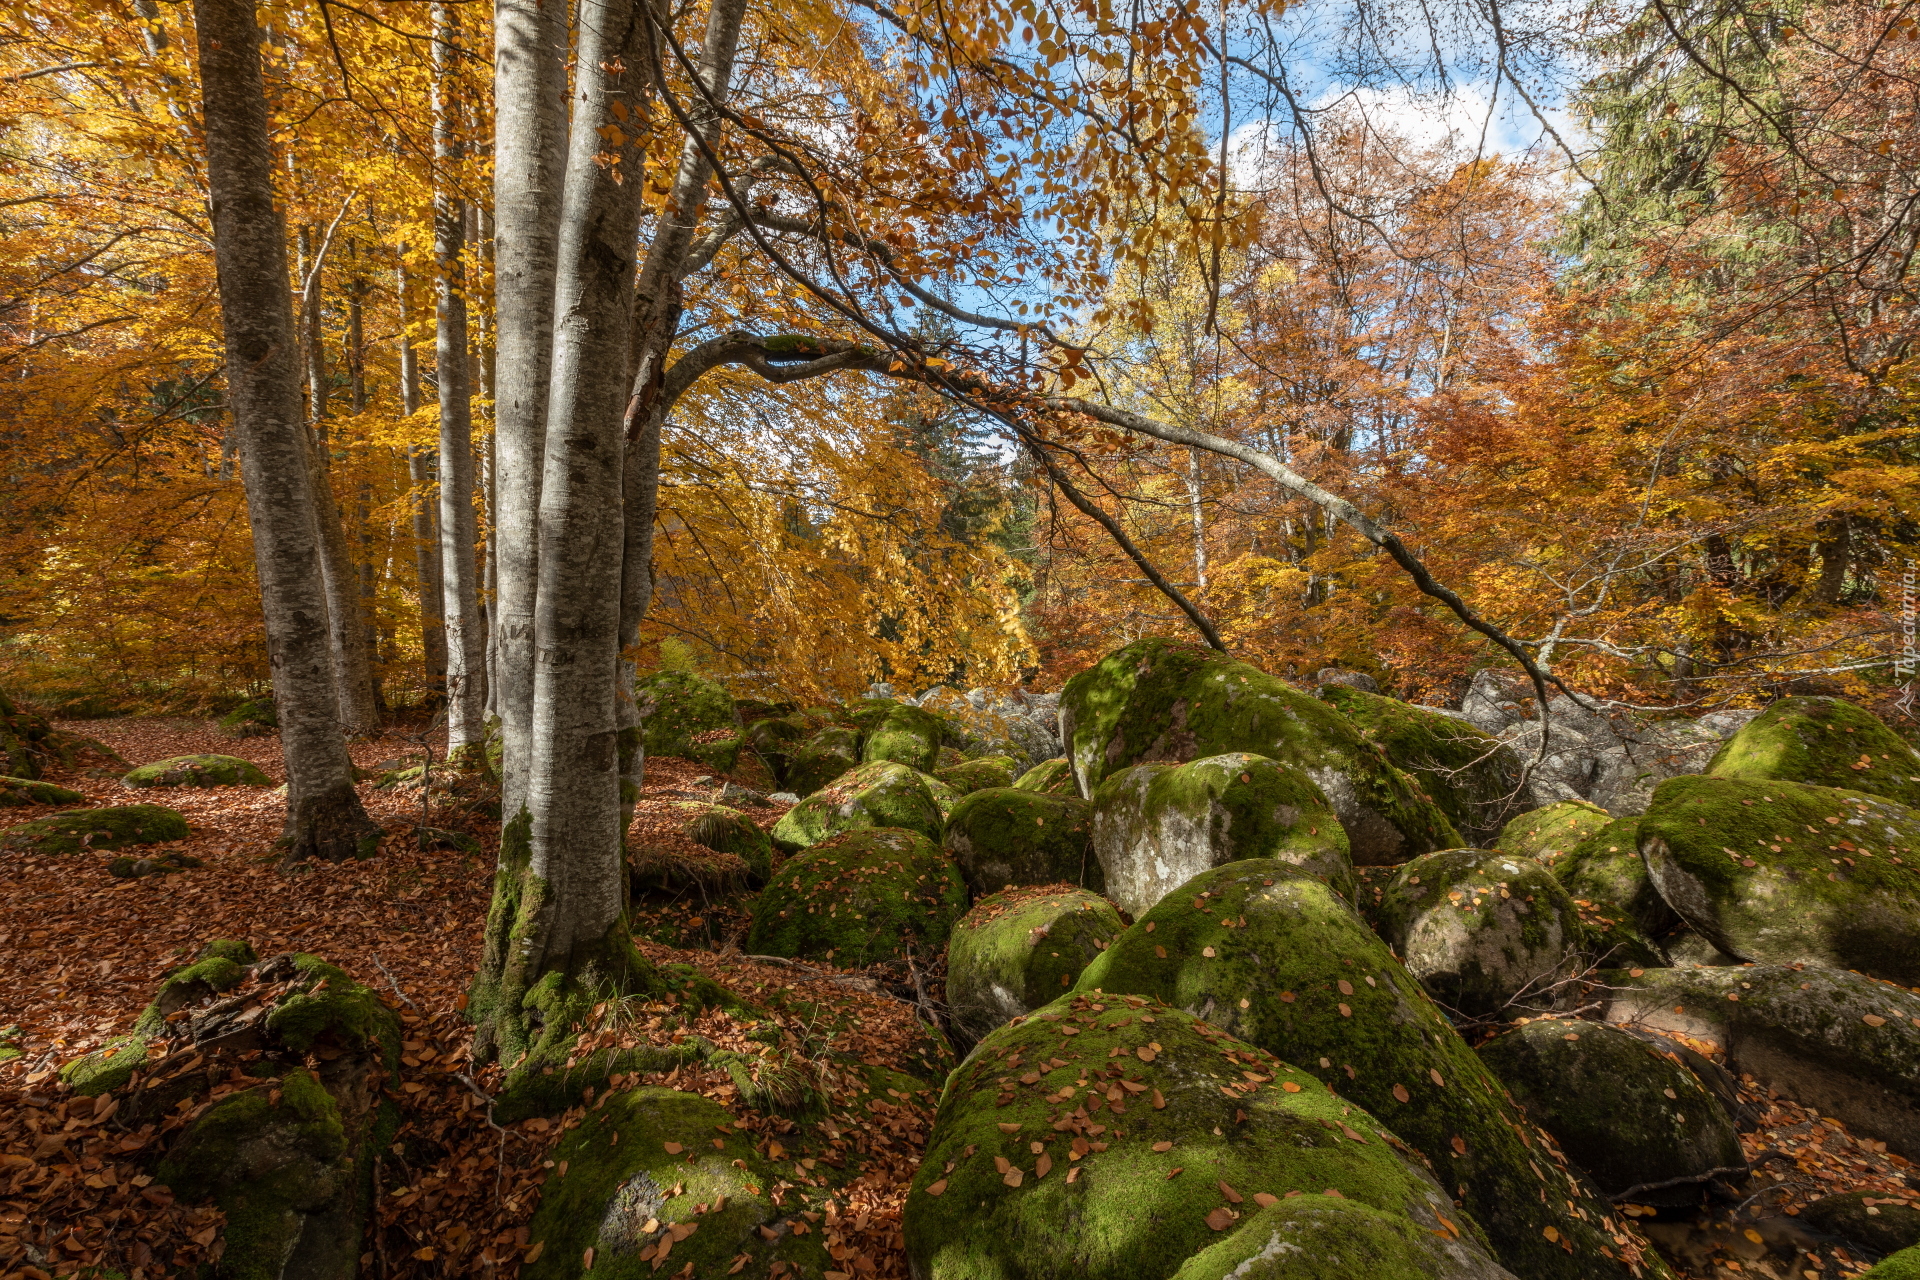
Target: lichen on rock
(1108,1138)
(1021,948)
(1472,776)
(1483,931)
(198,771)
(881,794)
(1274,956)
(1009,836)
(1164,701)
(1625,1112)
(1828,742)
(78,830)
(859,898)
(1156,826)
(1308,1237)
(1790,873)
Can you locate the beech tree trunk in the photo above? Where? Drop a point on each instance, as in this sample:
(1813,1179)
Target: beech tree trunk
(324,815)
(426,533)
(529,142)
(459,526)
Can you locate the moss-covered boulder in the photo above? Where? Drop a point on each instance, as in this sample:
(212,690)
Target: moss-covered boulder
(1824,741)
(726,830)
(19,793)
(1621,1109)
(1022,948)
(860,898)
(1163,701)
(678,706)
(1008,836)
(1055,777)
(198,771)
(1113,1139)
(221,965)
(1608,882)
(945,795)
(1157,826)
(882,794)
(1845,1045)
(1547,832)
(905,735)
(824,756)
(1484,932)
(1472,776)
(775,738)
(74,830)
(1308,1237)
(1788,873)
(653,1181)
(126,867)
(1273,955)
(254,718)
(1876,1221)
(969,776)
(1904,1265)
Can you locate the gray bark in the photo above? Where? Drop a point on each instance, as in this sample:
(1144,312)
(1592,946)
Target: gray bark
(324,815)
(426,534)
(459,525)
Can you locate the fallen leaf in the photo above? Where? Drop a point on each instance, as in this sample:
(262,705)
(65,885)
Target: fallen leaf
(1400,1093)
(1163,1146)
(1265,1199)
(1220,1219)
(935,1188)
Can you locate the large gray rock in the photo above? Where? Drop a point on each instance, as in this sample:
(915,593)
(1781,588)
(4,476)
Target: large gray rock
(1157,826)
(1473,777)
(1321,1237)
(1011,836)
(1020,949)
(1845,1045)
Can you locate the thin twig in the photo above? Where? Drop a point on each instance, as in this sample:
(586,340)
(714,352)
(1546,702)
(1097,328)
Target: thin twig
(394,984)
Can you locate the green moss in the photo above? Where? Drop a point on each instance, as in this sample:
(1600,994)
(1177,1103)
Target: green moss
(1824,741)
(827,755)
(1621,1109)
(719,755)
(221,966)
(1881,1223)
(1309,1237)
(1294,969)
(1785,872)
(1009,836)
(1098,1084)
(881,794)
(728,831)
(1904,1265)
(1545,833)
(1163,701)
(677,706)
(1473,777)
(1021,948)
(945,796)
(256,717)
(977,775)
(905,735)
(675,1160)
(1055,777)
(862,897)
(76,830)
(1481,929)
(326,1005)
(1155,827)
(198,771)
(21,792)
(1618,903)
(774,738)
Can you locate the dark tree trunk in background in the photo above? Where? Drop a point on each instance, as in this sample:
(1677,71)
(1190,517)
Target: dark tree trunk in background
(324,815)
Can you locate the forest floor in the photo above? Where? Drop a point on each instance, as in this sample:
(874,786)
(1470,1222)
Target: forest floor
(81,954)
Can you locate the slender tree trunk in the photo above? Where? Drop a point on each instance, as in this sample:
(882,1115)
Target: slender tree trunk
(426,535)
(459,527)
(1199,522)
(356,354)
(324,815)
(529,141)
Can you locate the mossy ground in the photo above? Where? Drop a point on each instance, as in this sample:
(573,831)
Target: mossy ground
(1545,833)
(1094,1140)
(676,707)
(1021,948)
(1786,873)
(1011,836)
(23,792)
(1272,955)
(862,897)
(881,794)
(1164,701)
(1055,777)
(1481,929)
(1825,741)
(1306,1237)
(1620,1108)
(77,830)
(1904,1265)
(198,771)
(1473,777)
(977,775)
(905,735)
(655,1180)
(1157,826)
